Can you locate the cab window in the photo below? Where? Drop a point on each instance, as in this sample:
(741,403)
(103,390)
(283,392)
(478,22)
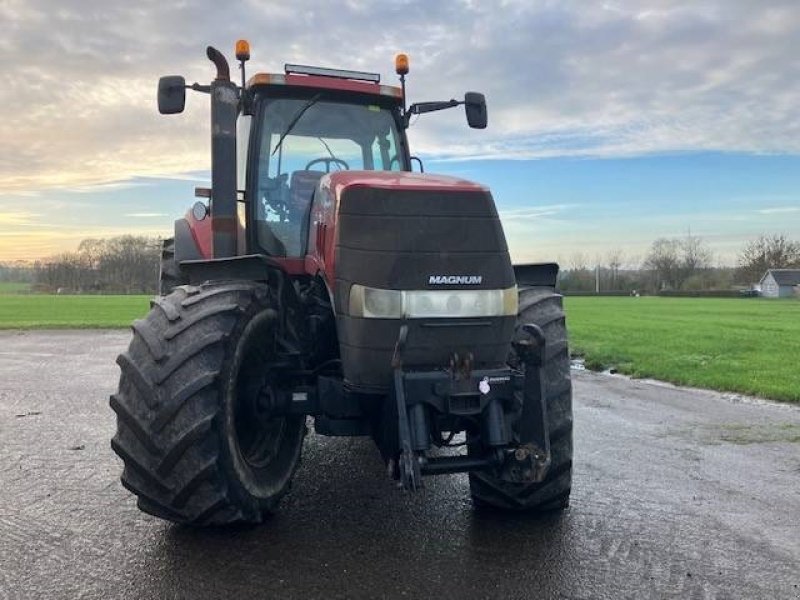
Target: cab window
(302,140)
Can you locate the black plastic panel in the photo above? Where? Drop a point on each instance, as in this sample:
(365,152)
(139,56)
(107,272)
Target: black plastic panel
(536,275)
(391,233)
(185,247)
(367,345)
(415,203)
(398,239)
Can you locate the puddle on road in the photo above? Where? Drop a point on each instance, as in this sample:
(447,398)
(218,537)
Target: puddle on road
(742,434)
(577,364)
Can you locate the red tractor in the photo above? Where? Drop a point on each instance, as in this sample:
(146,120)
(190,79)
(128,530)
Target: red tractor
(323,278)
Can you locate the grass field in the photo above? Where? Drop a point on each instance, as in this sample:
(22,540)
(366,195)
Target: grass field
(40,311)
(13,287)
(741,345)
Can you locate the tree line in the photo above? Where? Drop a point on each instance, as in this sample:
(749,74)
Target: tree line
(129,264)
(17,272)
(126,264)
(684,264)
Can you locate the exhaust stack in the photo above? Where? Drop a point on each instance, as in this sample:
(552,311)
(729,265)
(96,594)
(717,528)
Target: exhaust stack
(224,109)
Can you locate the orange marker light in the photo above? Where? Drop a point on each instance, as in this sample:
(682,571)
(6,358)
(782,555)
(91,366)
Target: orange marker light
(242,50)
(401,64)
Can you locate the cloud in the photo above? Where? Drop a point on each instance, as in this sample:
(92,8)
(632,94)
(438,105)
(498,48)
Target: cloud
(536,212)
(18,245)
(15,219)
(562,79)
(145,215)
(779,210)
(102,187)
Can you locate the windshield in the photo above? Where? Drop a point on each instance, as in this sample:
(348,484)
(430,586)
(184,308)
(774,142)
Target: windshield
(301,140)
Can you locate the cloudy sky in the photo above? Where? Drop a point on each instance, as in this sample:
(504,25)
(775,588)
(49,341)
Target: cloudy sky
(610,123)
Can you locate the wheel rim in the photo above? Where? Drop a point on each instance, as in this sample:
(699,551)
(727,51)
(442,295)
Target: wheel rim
(259,435)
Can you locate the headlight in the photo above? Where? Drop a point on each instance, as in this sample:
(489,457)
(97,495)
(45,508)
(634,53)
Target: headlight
(372,303)
(377,304)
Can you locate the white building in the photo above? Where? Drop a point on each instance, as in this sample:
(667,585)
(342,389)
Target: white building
(780,283)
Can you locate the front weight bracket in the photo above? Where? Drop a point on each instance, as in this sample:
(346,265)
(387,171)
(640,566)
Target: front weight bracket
(530,461)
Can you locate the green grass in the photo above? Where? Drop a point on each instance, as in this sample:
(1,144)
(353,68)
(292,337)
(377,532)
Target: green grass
(750,346)
(35,311)
(14,287)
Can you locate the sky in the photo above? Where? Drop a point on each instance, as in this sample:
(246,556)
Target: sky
(610,123)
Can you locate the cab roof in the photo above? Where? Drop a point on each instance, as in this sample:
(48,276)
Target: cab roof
(348,81)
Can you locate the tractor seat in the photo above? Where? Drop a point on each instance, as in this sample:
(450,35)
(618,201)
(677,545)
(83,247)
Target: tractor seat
(302,186)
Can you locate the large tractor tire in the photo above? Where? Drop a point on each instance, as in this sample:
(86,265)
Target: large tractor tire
(194,429)
(542,307)
(170,275)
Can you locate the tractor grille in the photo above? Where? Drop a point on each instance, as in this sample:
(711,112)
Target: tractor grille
(399,239)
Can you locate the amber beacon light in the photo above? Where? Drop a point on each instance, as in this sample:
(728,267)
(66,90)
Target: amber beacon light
(401,64)
(242,50)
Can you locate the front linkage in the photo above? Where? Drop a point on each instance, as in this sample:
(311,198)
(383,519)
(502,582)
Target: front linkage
(503,410)
(517,449)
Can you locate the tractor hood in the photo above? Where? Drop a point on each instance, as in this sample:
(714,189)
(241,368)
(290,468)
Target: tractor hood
(420,240)
(404,231)
(342,180)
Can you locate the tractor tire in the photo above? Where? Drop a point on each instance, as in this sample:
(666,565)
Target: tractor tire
(193,426)
(542,307)
(170,275)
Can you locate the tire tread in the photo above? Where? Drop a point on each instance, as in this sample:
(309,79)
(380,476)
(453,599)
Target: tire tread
(543,307)
(169,425)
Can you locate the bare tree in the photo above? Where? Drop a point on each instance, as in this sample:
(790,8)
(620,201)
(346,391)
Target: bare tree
(767,252)
(696,260)
(578,277)
(92,249)
(663,261)
(17,272)
(615,260)
(696,256)
(124,264)
(578,262)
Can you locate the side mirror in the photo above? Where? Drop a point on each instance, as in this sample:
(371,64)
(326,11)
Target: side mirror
(475,107)
(171,94)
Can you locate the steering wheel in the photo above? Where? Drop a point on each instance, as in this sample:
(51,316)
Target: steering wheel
(328,160)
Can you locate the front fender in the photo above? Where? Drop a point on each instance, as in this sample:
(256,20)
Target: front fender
(192,239)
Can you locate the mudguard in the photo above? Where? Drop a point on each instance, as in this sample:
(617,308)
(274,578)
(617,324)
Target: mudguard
(185,246)
(536,275)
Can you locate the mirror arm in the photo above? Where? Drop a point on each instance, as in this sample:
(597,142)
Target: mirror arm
(426,107)
(206,89)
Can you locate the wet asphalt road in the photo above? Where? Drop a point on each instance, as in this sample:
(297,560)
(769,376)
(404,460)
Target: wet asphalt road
(677,493)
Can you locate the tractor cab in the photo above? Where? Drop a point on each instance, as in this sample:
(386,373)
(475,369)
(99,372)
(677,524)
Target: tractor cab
(302,125)
(276,135)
